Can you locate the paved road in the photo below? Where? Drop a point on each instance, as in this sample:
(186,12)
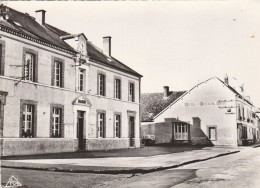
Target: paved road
(237,170)
(48,179)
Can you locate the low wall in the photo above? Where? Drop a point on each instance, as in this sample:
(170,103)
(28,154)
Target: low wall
(109,143)
(162,131)
(28,146)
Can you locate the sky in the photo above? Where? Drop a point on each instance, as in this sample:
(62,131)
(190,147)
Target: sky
(171,43)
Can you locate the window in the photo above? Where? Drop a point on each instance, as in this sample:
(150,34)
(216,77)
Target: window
(131,92)
(2,58)
(117,125)
(101,125)
(212,133)
(81,80)
(56,123)
(180,132)
(29,67)
(28,118)
(117,88)
(101,84)
(57,73)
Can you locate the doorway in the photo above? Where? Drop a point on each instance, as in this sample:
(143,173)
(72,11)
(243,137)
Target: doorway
(131,131)
(80,129)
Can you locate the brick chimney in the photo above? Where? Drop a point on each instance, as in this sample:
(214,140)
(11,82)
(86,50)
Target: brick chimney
(40,16)
(226,79)
(165,92)
(107,45)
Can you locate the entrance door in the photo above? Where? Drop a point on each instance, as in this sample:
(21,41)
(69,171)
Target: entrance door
(131,130)
(80,129)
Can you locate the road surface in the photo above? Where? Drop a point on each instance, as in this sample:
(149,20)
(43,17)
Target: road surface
(237,170)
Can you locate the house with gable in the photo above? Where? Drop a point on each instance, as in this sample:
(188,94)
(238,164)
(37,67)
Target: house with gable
(59,92)
(211,113)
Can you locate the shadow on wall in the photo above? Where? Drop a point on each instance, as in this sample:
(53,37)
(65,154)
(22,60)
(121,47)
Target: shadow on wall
(197,136)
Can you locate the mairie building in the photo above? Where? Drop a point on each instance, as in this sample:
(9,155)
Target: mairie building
(61,93)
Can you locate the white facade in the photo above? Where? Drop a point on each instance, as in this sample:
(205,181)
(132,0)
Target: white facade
(216,106)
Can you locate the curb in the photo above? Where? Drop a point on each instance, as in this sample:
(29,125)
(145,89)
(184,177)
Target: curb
(114,170)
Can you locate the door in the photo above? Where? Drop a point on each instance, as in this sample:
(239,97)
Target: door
(131,130)
(80,129)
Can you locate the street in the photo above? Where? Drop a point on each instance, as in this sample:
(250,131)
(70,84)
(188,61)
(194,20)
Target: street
(236,170)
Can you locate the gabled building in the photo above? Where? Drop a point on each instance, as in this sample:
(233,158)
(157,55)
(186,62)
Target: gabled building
(211,113)
(59,92)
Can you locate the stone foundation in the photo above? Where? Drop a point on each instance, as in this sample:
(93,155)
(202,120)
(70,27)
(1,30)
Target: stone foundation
(109,143)
(28,146)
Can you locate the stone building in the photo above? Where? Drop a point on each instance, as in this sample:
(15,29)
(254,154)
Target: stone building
(211,113)
(59,92)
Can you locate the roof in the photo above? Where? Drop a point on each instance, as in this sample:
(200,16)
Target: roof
(24,25)
(153,103)
(228,86)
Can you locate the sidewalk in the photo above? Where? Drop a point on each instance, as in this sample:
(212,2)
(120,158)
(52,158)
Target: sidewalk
(120,164)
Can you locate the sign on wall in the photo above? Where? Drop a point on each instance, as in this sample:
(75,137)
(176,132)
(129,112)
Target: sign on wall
(196,104)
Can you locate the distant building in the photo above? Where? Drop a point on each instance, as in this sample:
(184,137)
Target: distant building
(211,113)
(59,92)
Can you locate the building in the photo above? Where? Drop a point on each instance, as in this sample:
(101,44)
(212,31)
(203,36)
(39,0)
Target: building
(59,92)
(211,113)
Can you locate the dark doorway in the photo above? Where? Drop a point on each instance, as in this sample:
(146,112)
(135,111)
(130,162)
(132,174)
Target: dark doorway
(131,130)
(80,129)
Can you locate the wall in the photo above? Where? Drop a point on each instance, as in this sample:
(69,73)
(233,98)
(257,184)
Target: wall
(23,146)
(210,112)
(162,131)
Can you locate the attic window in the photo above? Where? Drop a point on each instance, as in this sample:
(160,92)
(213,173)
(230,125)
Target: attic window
(18,24)
(110,60)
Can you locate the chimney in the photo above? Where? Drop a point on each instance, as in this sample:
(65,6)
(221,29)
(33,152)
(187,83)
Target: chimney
(40,16)
(226,79)
(107,45)
(166,92)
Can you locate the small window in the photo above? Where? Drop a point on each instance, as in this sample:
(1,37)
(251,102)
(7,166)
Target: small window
(212,133)
(29,67)
(117,88)
(131,92)
(101,84)
(81,77)
(56,123)
(117,125)
(57,73)
(28,117)
(101,125)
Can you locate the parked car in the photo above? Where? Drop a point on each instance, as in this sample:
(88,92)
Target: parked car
(148,139)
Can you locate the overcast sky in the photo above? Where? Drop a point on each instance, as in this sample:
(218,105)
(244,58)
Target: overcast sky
(174,43)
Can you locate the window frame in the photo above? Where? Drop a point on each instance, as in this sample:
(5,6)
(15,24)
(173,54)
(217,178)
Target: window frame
(34,54)
(2,58)
(181,129)
(117,134)
(209,133)
(61,126)
(103,91)
(131,92)
(23,104)
(60,61)
(117,88)
(103,113)
(81,72)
